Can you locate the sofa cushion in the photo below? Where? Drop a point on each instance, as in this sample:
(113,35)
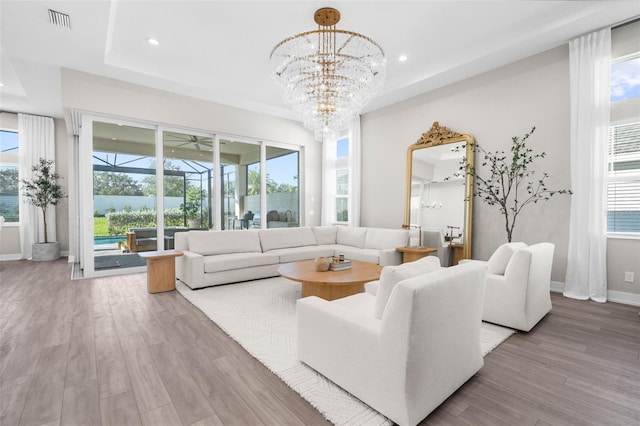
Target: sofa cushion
(353,253)
(392,275)
(227,262)
(294,254)
(221,242)
(386,238)
(498,261)
(350,236)
(144,232)
(146,241)
(325,234)
(272,239)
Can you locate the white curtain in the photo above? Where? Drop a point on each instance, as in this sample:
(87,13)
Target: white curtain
(590,68)
(355,171)
(36,139)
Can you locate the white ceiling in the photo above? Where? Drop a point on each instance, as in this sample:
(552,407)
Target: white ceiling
(218,50)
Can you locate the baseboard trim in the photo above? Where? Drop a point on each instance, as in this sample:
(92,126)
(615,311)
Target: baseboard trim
(623,297)
(557,286)
(612,295)
(16,256)
(13,256)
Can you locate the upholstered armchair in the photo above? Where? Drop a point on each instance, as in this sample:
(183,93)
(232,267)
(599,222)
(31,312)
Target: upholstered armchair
(517,291)
(424,347)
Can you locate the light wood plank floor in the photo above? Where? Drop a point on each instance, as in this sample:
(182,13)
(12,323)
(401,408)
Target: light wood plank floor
(105,352)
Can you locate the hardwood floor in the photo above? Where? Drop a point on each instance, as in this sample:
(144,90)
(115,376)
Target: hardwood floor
(105,352)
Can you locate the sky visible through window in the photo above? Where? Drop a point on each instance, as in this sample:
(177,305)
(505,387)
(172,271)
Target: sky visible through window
(625,79)
(342,148)
(8,141)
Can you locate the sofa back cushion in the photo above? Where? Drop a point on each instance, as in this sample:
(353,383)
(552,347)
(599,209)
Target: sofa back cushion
(325,234)
(386,238)
(208,243)
(351,236)
(392,275)
(498,261)
(278,238)
(144,232)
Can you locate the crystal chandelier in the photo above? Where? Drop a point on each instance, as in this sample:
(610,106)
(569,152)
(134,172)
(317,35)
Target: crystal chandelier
(328,74)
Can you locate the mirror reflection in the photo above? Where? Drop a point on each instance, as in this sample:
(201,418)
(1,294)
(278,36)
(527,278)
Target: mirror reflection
(439,194)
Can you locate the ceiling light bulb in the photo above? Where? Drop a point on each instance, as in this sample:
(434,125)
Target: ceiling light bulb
(153,41)
(402,58)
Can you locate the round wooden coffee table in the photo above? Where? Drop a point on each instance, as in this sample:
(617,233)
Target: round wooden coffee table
(330,285)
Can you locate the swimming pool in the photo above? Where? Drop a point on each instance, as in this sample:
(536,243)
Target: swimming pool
(108,240)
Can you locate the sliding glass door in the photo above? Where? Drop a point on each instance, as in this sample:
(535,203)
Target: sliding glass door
(283,191)
(123,170)
(140,184)
(240,184)
(188,180)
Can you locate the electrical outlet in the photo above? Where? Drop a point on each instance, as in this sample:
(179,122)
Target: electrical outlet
(628,277)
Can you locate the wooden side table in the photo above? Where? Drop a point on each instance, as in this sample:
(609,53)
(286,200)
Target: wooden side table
(409,254)
(161,270)
(456,253)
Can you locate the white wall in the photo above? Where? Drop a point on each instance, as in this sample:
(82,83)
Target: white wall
(492,107)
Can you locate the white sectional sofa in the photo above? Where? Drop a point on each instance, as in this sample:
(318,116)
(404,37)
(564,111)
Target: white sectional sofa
(222,257)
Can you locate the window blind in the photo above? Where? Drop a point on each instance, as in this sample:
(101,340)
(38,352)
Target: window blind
(623,198)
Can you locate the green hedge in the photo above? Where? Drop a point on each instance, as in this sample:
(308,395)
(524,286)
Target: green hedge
(118,223)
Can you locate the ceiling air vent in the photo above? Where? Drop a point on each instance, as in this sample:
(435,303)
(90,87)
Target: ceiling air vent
(59,19)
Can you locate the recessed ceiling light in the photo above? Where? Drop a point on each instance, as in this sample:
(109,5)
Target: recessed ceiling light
(153,41)
(402,58)
(1,84)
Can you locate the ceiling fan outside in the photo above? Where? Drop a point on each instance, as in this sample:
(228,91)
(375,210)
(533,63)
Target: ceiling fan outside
(184,140)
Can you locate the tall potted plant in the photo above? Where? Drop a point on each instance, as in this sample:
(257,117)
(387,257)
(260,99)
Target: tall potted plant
(43,190)
(510,184)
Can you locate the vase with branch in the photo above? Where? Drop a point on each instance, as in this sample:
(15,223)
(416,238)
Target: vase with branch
(510,184)
(42,191)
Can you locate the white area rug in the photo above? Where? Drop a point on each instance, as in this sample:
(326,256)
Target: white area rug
(261,316)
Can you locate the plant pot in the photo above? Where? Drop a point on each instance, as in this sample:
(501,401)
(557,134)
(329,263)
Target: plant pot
(193,223)
(42,252)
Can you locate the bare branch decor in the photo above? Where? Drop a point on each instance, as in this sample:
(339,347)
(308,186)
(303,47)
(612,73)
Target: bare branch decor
(511,183)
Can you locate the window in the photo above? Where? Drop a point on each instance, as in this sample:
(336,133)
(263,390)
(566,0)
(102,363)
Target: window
(623,189)
(342,180)
(9,181)
(624,79)
(623,207)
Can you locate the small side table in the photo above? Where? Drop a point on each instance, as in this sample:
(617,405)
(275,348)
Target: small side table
(409,254)
(161,270)
(456,253)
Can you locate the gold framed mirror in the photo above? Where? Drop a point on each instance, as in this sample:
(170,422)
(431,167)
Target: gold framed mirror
(439,195)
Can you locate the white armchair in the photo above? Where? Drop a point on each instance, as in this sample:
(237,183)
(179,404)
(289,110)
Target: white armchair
(426,345)
(519,296)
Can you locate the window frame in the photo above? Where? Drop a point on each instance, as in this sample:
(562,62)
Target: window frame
(619,117)
(17,166)
(620,178)
(342,164)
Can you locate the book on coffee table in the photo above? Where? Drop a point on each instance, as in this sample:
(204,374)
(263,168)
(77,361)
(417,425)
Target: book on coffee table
(340,266)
